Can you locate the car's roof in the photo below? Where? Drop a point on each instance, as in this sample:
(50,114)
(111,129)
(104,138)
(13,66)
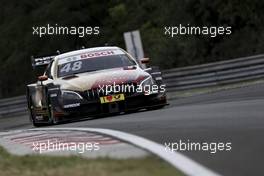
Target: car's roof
(76,52)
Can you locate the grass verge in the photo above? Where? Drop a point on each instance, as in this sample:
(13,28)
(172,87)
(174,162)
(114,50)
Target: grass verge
(31,165)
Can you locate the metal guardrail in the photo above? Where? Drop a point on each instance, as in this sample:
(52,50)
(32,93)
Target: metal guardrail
(12,106)
(178,79)
(215,74)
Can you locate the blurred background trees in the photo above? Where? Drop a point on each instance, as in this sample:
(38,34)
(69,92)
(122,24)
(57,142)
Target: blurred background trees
(114,17)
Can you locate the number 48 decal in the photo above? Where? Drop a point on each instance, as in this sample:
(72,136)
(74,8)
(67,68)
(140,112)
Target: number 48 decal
(72,67)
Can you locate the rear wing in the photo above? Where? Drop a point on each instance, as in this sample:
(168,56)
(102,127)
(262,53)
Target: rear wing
(41,61)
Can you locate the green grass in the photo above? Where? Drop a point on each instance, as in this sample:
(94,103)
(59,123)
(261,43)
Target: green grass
(31,165)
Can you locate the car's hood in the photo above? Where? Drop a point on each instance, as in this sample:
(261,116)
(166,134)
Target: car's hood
(90,80)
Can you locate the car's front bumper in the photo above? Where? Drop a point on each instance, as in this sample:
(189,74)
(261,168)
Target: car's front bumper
(95,108)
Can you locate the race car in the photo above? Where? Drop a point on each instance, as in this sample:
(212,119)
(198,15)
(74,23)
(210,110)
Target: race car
(92,82)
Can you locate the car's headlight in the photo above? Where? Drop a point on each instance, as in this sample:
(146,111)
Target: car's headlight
(147,82)
(71,95)
(146,85)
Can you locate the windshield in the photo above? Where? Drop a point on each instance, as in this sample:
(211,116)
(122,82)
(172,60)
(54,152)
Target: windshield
(93,64)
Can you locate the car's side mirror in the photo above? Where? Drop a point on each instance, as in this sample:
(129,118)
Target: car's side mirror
(144,60)
(42,78)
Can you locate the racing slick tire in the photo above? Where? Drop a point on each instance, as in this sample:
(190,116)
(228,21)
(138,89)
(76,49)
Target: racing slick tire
(41,124)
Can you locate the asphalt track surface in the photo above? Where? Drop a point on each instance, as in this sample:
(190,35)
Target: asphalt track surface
(234,116)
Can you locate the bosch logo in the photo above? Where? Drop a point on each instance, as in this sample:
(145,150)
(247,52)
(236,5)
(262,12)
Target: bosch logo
(97,54)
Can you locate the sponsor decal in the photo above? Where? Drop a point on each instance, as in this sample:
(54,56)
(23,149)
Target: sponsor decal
(89,55)
(39,117)
(53,95)
(97,54)
(112,98)
(72,105)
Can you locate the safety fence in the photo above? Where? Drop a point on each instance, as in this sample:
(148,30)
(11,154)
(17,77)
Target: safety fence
(181,79)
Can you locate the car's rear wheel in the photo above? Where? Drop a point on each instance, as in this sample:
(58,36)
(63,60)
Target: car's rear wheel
(33,119)
(35,123)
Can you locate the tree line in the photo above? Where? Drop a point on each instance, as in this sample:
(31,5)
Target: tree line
(114,17)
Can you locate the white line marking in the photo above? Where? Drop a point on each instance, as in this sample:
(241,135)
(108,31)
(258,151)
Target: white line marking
(178,160)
